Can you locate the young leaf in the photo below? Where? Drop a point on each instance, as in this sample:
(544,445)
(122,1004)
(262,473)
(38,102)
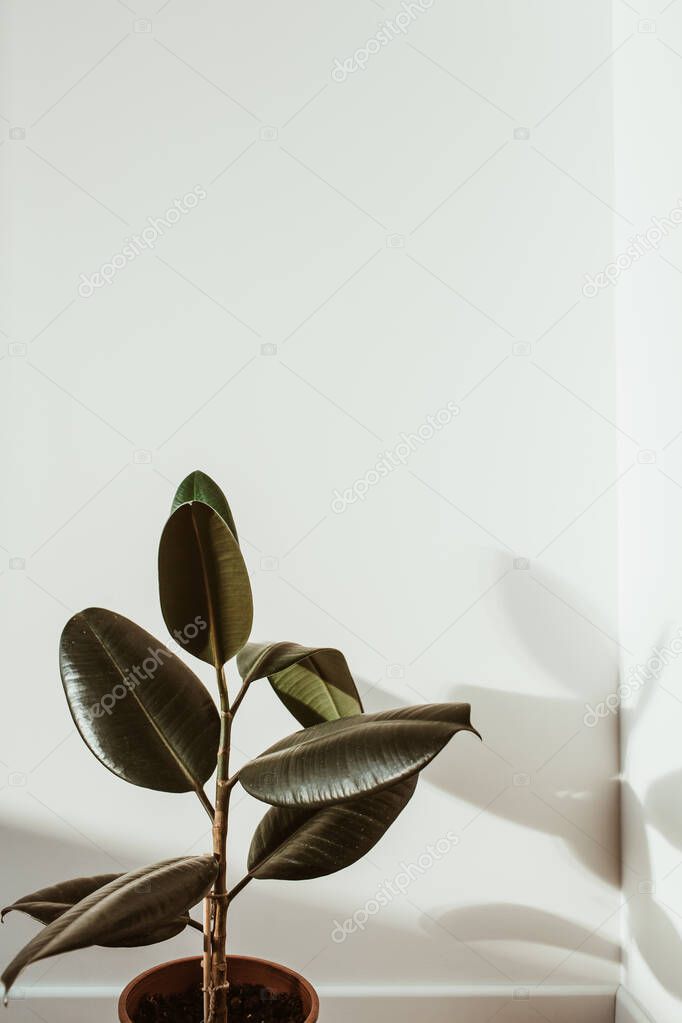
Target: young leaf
(142,902)
(314,683)
(338,760)
(295,845)
(200,487)
(203,581)
(138,707)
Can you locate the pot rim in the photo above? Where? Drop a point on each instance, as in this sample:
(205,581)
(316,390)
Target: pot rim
(268,963)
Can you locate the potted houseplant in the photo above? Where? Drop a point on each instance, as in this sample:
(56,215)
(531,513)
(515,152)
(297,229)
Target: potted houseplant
(333,787)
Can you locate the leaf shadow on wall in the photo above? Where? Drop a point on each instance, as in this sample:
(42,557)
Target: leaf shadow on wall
(662,807)
(508,931)
(651,927)
(542,767)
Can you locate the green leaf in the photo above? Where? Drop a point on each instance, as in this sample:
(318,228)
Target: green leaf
(48,904)
(314,683)
(142,901)
(138,707)
(137,937)
(295,845)
(203,583)
(336,761)
(200,487)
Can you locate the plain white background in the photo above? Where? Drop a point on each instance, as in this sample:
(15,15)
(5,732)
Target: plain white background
(368,251)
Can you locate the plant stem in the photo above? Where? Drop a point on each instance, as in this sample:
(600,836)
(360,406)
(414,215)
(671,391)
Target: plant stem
(207,959)
(234,892)
(205,802)
(219,981)
(239,697)
(231,782)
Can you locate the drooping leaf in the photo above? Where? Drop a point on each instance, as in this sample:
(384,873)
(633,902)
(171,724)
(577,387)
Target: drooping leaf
(138,938)
(200,487)
(48,903)
(203,582)
(138,707)
(298,844)
(314,683)
(338,760)
(138,903)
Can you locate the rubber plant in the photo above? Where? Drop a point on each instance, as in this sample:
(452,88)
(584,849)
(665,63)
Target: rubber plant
(334,786)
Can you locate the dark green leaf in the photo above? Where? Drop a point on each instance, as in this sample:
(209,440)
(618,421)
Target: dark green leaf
(138,707)
(134,904)
(47,904)
(295,845)
(314,683)
(203,582)
(332,762)
(200,487)
(137,938)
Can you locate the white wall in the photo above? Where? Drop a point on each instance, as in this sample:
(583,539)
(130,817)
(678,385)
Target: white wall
(415,235)
(648,92)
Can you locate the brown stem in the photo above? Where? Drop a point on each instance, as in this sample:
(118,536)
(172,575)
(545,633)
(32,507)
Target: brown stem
(231,782)
(207,960)
(219,981)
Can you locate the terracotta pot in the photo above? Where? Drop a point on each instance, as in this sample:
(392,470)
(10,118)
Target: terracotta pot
(181,974)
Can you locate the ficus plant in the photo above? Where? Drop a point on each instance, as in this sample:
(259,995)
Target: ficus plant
(333,787)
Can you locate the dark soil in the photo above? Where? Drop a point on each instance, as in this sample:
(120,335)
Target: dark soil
(248,1003)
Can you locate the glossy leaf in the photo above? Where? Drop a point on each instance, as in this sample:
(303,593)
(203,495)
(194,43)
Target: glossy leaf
(138,707)
(203,582)
(298,844)
(48,904)
(141,902)
(200,487)
(138,938)
(314,683)
(338,760)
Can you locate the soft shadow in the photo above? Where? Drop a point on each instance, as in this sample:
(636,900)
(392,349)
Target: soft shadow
(663,807)
(508,921)
(527,733)
(648,687)
(651,928)
(530,719)
(564,633)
